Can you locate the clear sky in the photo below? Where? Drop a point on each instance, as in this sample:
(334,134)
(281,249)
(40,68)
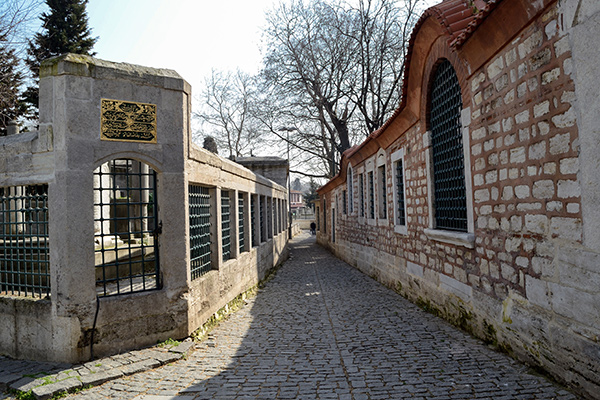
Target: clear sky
(190,36)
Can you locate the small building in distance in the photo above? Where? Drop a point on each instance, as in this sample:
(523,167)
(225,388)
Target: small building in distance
(296,200)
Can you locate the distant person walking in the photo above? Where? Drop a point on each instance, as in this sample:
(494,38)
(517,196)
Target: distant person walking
(313,228)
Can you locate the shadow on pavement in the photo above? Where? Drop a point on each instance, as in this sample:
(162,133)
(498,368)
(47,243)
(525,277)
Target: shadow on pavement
(322,330)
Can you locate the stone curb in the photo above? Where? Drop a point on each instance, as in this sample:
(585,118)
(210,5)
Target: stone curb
(44,383)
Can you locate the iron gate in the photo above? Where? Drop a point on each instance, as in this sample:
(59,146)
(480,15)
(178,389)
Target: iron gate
(126,228)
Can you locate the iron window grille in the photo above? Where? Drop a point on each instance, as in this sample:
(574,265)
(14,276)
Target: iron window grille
(383,192)
(447,150)
(24,252)
(333,226)
(255,241)
(200,236)
(269,218)
(344,204)
(241,238)
(318,215)
(262,219)
(371,196)
(350,191)
(226,225)
(126,228)
(400,207)
(324,207)
(276,215)
(361,191)
(280,215)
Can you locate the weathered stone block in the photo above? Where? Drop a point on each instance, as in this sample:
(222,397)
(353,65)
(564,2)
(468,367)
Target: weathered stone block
(501,83)
(540,59)
(522,191)
(536,223)
(477,81)
(560,143)
(566,228)
(414,269)
(479,133)
(543,189)
(568,188)
(550,76)
(537,292)
(495,67)
(537,151)
(482,195)
(517,155)
(565,120)
(574,303)
(456,287)
(562,46)
(554,206)
(529,44)
(541,109)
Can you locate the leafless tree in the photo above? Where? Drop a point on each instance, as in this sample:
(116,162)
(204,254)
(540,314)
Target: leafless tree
(332,72)
(226,111)
(381,35)
(15,16)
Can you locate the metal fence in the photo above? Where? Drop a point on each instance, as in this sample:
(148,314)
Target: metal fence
(200,239)
(24,253)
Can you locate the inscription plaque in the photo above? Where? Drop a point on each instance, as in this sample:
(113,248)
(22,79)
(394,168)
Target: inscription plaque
(128,121)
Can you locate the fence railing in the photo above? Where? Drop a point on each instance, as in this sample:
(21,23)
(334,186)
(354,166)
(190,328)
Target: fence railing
(24,253)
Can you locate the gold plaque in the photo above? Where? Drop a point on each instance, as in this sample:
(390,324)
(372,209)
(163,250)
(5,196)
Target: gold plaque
(128,121)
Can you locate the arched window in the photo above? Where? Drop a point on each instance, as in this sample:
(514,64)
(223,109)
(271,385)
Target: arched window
(447,150)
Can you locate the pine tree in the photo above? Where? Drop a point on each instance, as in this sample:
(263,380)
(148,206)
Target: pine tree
(64,30)
(11,79)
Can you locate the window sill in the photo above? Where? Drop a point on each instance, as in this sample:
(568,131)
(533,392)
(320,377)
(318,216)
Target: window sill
(458,238)
(382,222)
(401,229)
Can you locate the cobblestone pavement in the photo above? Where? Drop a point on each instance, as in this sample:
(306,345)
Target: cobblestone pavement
(322,330)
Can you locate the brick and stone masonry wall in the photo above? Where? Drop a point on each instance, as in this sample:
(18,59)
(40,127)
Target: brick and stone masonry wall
(529,284)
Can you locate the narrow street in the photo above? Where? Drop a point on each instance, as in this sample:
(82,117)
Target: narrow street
(322,330)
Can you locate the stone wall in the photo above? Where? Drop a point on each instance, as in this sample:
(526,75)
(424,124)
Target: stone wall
(64,154)
(524,275)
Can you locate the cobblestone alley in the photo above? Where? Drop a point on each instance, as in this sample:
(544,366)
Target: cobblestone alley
(322,330)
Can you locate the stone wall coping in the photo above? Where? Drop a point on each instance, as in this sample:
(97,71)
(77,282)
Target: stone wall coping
(87,66)
(19,138)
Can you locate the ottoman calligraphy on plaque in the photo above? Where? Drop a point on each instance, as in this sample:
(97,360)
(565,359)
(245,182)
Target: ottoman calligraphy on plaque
(128,121)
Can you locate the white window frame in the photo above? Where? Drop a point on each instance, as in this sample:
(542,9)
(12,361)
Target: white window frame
(379,203)
(466,239)
(361,195)
(370,168)
(397,156)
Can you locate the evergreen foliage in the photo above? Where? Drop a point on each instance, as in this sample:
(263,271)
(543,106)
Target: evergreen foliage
(64,30)
(10,81)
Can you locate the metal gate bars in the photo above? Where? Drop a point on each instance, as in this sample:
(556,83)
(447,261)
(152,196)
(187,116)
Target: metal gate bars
(126,228)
